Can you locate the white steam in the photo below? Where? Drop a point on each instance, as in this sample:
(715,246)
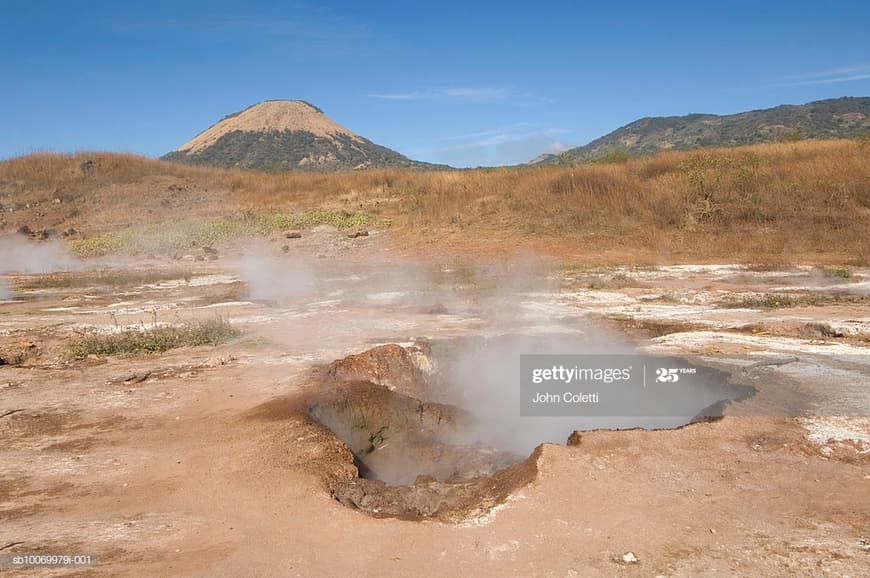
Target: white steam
(20,255)
(275,279)
(481,317)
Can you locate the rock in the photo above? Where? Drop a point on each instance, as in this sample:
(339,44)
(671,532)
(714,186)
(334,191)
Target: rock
(47,234)
(574,438)
(820,330)
(356,234)
(626,559)
(293,235)
(138,377)
(25,230)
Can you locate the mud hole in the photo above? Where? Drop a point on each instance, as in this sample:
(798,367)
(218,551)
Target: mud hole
(381,445)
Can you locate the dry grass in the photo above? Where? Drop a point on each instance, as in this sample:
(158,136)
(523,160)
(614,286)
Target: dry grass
(154,340)
(108,278)
(780,202)
(784,301)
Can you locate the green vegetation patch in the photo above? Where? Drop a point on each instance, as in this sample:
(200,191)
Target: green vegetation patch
(766,301)
(839,273)
(183,235)
(154,340)
(778,300)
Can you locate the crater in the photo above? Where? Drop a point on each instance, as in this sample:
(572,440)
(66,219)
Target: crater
(386,439)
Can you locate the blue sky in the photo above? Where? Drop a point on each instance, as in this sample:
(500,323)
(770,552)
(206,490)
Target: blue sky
(466,83)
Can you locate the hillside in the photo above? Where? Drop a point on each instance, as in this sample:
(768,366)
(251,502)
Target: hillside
(824,119)
(281,135)
(805,201)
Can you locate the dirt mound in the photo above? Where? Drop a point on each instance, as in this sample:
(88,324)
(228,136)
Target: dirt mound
(392,366)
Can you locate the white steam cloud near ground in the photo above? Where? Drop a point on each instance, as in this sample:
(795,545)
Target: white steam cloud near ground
(21,255)
(276,280)
(506,310)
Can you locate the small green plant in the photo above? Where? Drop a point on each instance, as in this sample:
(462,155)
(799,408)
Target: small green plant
(154,340)
(766,301)
(840,273)
(617,281)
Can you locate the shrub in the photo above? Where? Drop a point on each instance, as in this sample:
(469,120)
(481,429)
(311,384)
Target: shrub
(154,340)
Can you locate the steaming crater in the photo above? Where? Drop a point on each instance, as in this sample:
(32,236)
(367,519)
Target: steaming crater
(392,441)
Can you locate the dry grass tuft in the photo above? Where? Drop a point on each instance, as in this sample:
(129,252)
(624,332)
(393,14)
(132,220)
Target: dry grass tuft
(154,340)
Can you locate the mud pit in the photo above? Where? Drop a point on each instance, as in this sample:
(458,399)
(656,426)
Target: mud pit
(378,449)
(411,458)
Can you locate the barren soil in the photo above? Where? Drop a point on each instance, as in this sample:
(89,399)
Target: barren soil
(200,461)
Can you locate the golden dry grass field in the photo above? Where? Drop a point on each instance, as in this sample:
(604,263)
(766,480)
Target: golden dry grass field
(805,201)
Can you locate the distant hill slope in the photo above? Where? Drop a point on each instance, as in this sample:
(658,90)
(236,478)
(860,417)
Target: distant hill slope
(834,118)
(280,135)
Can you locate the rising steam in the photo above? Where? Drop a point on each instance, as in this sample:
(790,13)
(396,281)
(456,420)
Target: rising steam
(495,312)
(20,255)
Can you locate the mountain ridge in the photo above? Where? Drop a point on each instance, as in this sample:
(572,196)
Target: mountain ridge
(830,118)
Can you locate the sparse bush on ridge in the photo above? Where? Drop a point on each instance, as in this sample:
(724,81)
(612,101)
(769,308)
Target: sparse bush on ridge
(613,156)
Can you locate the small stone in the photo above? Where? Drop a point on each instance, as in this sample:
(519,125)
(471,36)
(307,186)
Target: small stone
(627,558)
(293,235)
